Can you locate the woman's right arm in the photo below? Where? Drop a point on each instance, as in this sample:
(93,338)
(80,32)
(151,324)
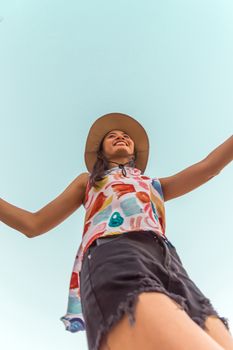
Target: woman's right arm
(17,218)
(32,224)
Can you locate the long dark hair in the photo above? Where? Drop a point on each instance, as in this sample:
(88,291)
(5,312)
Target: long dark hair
(101,165)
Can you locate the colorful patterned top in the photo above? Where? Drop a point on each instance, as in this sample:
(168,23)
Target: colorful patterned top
(119,204)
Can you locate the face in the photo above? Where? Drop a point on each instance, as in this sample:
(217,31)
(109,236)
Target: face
(118,144)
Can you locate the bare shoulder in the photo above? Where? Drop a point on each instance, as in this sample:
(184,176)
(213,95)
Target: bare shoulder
(81,180)
(85,177)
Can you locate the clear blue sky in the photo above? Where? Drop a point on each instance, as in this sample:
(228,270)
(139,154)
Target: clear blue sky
(62,65)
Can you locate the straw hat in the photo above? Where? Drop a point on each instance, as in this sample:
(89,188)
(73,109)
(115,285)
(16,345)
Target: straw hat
(119,121)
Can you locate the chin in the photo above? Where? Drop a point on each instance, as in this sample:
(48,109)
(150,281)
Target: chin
(121,152)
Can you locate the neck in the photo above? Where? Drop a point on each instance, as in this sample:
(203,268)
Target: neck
(115,162)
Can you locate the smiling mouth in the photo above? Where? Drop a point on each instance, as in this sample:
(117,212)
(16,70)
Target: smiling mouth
(121,143)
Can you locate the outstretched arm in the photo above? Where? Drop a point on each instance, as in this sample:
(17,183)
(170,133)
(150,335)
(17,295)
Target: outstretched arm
(52,214)
(198,173)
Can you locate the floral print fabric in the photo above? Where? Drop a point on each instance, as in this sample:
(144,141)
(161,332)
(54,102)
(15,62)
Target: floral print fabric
(118,204)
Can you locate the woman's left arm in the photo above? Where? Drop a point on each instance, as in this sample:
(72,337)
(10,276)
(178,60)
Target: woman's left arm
(220,156)
(198,173)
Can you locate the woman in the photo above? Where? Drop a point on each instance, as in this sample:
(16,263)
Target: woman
(129,288)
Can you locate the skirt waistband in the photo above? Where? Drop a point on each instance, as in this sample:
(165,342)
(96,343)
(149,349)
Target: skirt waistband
(104,239)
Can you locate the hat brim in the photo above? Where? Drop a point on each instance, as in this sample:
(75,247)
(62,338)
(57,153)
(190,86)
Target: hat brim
(118,121)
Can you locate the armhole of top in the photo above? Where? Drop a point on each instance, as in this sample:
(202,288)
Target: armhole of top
(158,186)
(86,191)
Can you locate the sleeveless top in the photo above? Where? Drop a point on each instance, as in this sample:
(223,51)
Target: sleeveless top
(118,204)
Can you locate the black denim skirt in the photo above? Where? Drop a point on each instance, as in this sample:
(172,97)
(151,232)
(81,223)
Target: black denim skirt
(117,269)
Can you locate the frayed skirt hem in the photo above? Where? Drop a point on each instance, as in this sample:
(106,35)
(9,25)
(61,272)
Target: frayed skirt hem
(127,306)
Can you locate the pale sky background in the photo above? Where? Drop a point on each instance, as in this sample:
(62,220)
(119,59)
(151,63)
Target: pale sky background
(62,65)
